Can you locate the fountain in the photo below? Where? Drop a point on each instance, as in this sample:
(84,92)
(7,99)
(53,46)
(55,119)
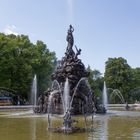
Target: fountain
(101,106)
(69,105)
(70,93)
(116,92)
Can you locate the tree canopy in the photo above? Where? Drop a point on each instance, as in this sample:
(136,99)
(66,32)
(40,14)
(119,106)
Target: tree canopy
(20,60)
(96,81)
(118,75)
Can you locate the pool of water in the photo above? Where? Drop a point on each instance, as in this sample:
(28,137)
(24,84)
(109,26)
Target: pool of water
(24,125)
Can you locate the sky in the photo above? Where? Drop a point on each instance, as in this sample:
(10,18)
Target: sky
(103,28)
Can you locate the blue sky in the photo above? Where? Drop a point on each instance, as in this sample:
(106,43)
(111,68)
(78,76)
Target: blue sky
(103,28)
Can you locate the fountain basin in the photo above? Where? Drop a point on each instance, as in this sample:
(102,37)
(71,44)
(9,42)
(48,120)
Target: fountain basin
(25,125)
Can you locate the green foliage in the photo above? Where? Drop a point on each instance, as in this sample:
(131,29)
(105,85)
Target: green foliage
(136,77)
(135,91)
(20,60)
(118,75)
(96,81)
(43,65)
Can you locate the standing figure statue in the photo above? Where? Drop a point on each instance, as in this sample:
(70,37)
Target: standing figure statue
(70,40)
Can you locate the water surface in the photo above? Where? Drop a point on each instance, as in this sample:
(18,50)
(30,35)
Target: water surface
(24,125)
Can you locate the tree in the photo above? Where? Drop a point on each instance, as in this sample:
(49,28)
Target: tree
(43,65)
(20,60)
(15,70)
(96,81)
(136,77)
(118,75)
(135,86)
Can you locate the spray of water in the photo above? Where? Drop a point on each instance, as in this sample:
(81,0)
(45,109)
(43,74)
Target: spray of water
(66,95)
(34,92)
(116,92)
(105,98)
(56,86)
(50,107)
(82,79)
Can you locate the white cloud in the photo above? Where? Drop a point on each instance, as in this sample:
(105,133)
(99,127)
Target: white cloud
(10,29)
